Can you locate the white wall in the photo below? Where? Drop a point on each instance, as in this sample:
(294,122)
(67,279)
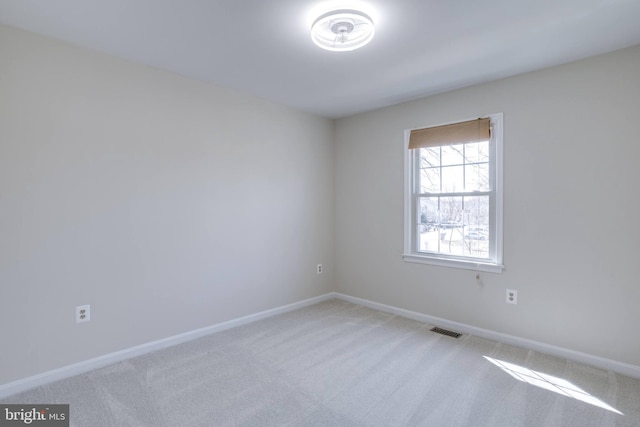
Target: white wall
(165,203)
(572,227)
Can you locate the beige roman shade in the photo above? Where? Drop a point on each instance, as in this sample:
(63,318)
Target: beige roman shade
(455,133)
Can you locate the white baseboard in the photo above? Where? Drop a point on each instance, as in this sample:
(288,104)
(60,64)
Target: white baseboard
(21,385)
(108,359)
(587,359)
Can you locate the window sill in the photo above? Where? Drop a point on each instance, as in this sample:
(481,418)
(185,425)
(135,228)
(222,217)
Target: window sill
(454,263)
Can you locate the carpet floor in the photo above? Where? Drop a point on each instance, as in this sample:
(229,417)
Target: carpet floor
(340,364)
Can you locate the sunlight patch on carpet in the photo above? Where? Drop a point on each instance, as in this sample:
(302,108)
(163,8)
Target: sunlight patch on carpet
(551,383)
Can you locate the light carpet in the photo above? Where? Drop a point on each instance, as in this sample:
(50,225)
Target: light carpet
(340,364)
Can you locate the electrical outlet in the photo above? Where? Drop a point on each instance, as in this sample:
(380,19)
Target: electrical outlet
(512,296)
(319,269)
(83,313)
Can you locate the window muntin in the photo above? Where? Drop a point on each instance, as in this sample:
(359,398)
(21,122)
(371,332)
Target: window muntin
(454,202)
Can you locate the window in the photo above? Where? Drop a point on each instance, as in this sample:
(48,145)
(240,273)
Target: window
(453,194)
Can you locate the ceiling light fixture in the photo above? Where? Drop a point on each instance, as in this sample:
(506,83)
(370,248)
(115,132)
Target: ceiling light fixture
(342,30)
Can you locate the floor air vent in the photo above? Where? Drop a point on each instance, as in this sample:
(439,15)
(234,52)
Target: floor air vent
(446,332)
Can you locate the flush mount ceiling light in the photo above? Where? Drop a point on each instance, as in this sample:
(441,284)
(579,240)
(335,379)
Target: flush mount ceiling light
(342,30)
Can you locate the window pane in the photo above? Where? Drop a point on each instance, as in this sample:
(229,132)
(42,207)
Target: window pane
(427,226)
(452,179)
(450,210)
(483,151)
(477,177)
(476,233)
(475,152)
(429,157)
(430,180)
(477,211)
(452,154)
(451,226)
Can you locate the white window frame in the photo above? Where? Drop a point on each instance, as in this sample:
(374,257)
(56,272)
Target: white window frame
(411,254)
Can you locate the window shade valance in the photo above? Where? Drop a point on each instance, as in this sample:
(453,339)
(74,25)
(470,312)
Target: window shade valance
(455,133)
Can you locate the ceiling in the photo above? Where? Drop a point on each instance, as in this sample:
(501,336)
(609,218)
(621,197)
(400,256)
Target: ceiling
(263,47)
